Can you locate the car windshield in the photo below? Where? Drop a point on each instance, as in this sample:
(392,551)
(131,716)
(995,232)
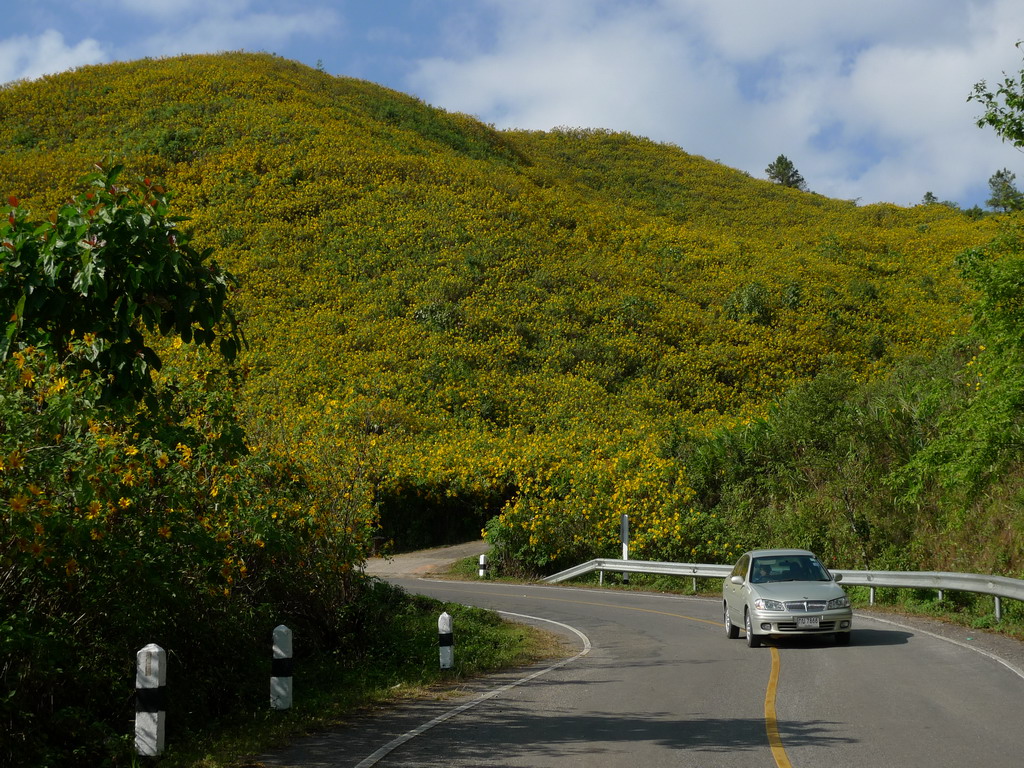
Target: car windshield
(787,568)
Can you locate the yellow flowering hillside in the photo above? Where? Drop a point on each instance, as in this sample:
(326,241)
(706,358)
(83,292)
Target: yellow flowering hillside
(450,325)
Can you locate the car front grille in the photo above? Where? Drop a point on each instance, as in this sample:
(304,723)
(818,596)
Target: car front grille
(790,626)
(806,606)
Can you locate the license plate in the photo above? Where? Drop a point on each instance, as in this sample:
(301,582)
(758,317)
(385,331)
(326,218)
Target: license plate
(808,622)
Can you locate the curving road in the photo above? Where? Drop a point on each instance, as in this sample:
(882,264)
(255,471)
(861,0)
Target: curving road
(656,683)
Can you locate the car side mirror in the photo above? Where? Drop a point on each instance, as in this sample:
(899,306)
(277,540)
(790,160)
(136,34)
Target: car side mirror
(837,577)
(736,579)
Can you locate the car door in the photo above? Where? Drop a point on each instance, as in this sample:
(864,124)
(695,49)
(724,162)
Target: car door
(734,593)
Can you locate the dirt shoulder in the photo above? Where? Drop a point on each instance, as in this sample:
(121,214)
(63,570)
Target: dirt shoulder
(425,561)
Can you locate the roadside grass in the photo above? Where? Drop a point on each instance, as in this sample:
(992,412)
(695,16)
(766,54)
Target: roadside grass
(960,608)
(330,692)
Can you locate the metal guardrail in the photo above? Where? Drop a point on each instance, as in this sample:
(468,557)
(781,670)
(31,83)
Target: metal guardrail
(642,566)
(997,586)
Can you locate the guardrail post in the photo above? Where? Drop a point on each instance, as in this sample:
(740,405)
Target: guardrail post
(999,608)
(281,666)
(482,572)
(445,640)
(150,700)
(871,596)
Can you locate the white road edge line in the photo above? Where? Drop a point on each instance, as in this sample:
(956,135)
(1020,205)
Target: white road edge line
(1017,671)
(391,746)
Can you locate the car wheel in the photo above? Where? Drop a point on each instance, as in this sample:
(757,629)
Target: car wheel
(731,630)
(753,641)
(843,638)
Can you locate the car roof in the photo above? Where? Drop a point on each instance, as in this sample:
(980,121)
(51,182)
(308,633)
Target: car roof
(778,552)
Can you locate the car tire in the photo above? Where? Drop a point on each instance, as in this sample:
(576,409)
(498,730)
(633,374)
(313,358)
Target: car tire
(731,630)
(753,641)
(843,638)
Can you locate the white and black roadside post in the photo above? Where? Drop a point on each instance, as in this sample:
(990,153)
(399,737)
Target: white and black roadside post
(150,700)
(281,669)
(445,640)
(482,572)
(624,536)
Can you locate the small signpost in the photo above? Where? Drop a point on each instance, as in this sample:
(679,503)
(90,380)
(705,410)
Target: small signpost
(624,538)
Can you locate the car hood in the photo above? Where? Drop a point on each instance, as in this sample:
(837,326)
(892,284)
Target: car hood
(799,590)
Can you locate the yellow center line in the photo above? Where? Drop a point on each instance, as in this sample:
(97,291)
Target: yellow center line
(770,719)
(771,722)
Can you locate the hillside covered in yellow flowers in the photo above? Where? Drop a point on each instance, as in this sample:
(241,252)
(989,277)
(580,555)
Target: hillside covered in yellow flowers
(451,324)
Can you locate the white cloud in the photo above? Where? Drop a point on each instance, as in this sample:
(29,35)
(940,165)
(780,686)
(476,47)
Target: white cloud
(25,57)
(215,31)
(180,10)
(868,99)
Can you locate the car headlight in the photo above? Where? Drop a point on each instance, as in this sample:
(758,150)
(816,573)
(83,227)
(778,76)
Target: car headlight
(839,602)
(768,605)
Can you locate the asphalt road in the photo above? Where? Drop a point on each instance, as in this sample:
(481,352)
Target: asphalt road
(656,683)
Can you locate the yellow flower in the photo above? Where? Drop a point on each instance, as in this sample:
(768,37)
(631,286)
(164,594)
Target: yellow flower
(124,502)
(19,503)
(185,451)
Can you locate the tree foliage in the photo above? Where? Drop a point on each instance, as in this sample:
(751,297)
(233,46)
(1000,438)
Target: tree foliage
(782,171)
(1003,106)
(1004,195)
(109,266)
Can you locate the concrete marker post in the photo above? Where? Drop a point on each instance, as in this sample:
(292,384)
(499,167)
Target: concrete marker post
(482,571)
(445,640)
(150,700)
(281,667)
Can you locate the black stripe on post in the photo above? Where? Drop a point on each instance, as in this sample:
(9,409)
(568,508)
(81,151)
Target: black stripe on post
(282,667)
(151,700)
(446,639)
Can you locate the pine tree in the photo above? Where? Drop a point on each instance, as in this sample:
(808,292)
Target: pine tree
(1005,195)
(783,172)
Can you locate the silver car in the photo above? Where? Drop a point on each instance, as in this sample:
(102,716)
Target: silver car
(784,592)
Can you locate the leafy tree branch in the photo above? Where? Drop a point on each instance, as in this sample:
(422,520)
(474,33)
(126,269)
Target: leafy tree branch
(108,267)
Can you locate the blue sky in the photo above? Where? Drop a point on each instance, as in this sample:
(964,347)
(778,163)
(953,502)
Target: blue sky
(867,98)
